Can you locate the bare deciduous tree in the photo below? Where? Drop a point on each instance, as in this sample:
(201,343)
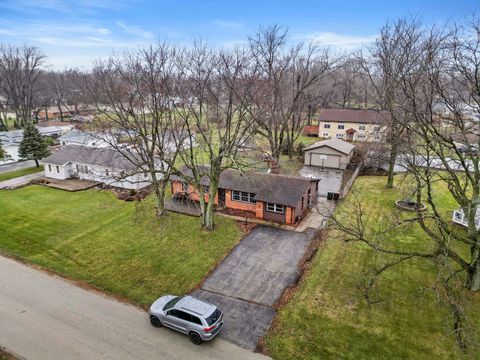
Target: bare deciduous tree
(215,92)
(20,69)
(133,101)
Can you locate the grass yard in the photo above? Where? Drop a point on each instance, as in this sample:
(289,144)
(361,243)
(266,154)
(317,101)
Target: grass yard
(118,246)
(328,317)
(21,172)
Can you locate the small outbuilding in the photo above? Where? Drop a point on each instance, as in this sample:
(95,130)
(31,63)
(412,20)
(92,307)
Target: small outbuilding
(333,154)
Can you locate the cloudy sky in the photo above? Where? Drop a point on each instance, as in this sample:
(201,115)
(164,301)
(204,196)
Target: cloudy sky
(72,33)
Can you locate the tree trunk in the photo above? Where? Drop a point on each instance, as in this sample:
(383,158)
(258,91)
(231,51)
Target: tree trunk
(473,280)
(208,221)
(391,165)
(36,163)
(159,189)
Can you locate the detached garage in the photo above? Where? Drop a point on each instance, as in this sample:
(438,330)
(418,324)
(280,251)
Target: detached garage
(332,154)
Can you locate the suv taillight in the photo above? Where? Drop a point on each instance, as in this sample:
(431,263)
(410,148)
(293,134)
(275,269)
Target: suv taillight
(208,329)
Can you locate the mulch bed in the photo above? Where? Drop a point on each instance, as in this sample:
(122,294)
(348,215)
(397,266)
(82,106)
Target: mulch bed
(236,212)
(129,195)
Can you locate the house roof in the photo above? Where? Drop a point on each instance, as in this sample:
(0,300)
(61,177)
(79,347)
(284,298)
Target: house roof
(106,157)
(368,116)
(339,145)
(272,188)
(79,136)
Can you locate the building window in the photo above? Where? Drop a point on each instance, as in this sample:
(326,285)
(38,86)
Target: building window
(184,187)
(58,169)
(50,168)
(340,136)
(361,127)
(376,128)
(275,208)
(106,172)
(243,196)
(341,126)
(325,134)
(206,189)
(361,136)
(326,126)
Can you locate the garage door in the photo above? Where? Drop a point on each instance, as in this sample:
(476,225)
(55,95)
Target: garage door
(325,160)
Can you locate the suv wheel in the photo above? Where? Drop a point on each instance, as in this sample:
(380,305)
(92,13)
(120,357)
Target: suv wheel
(195,338)
(155,321)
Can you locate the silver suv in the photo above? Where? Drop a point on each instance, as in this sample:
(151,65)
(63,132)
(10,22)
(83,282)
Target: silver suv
(200,320)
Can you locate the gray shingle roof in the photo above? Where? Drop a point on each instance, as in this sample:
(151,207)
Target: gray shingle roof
(273,188)
(335,144)
(91,156)
(367,116)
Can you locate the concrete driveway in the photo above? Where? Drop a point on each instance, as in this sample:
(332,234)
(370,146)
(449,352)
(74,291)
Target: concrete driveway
(330,179)
(20,181)
(45,317)
(252,278)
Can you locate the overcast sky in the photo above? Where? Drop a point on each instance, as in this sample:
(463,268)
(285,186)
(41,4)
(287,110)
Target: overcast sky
(72,33)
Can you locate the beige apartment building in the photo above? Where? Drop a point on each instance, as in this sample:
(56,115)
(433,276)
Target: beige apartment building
(352,124)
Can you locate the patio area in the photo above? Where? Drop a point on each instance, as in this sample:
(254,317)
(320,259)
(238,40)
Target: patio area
(182,207)
(67,184)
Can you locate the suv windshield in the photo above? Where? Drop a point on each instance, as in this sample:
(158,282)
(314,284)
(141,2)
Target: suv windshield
(214,317)
(172,303)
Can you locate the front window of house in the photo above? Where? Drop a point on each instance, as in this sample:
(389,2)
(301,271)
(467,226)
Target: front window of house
(339,136)
(341,126)
(325,134)
(58,169)
(184,187)
(361,136)
(206,189)
(276,208)
(326,126)
(50,168)
(376,128)
(361,126)
(243,196)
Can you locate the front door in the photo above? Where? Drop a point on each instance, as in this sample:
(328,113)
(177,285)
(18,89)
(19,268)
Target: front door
(221,197)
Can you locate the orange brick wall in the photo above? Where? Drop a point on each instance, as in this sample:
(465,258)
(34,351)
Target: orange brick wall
(192,191)
(259,210)
(290,215)
(229,203)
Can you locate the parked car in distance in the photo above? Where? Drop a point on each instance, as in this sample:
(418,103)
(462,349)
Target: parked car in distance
(198,319)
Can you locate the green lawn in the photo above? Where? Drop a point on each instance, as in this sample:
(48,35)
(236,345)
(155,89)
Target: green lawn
(118,246)
(21,172)
(328,317)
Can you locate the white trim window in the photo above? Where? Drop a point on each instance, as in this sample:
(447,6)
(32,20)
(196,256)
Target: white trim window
(276,208)
(340,136)
(243,196)
(361,136)
(362,126)
(376,128)
(341,126)
(326,126)
(325,134)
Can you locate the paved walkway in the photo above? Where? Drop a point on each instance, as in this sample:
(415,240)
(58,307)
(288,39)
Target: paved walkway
(252,278)
(318,216)
(16,166)
(20,181)
(45,317)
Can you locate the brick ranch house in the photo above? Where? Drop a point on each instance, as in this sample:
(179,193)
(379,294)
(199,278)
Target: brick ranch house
(279,198)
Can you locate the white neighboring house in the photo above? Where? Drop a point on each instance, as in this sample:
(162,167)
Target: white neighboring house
(11,139)
(105,165)
(460,219)
(83,138)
